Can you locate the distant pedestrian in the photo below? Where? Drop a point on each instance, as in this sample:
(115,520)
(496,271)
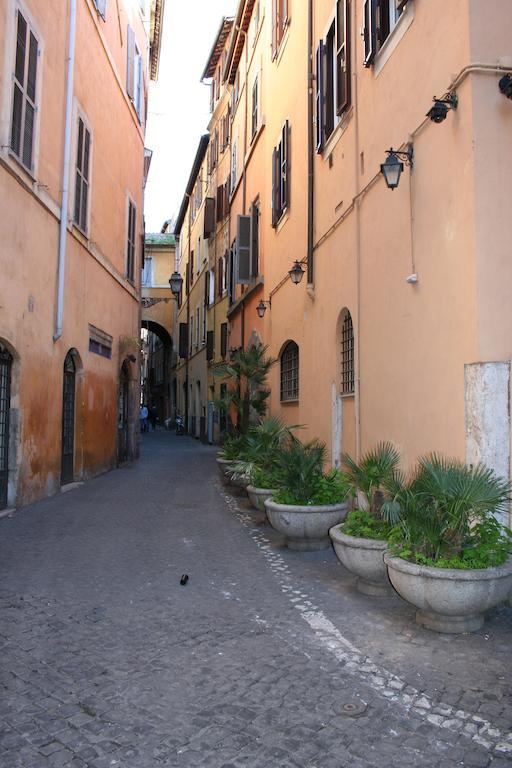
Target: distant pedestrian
(144,418)
(153,416)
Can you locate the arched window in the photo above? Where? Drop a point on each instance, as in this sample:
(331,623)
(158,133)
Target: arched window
(347,354)
(290,372)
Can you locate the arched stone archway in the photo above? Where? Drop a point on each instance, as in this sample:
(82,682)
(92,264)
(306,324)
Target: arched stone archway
(158,370)
(9,424)
(71,398)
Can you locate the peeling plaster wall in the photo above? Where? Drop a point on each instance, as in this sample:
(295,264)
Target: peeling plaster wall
(487,398)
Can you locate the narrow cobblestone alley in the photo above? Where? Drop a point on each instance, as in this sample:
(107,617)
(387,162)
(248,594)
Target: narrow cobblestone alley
(265,658)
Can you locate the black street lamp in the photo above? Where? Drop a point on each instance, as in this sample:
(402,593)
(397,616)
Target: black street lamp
(261,308)
(176,281)
(392,168)
(296,273)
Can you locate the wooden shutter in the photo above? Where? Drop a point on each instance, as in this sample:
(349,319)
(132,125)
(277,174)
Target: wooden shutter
(191,267)
(320,97)
(220,275)
(255,216)
(274,27)
(220,203)
(130,63)
(400,4)
(275,187)
(210,336)
(223,339)
(288,163)
(209,217)
(370,31)
(23,116)
(183,340)
(342,55)
(243,249)
(226,197)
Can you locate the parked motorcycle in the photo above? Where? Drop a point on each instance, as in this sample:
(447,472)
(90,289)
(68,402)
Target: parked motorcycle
(180,425)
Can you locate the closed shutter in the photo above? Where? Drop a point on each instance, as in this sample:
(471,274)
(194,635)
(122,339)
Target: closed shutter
(275,187)
(243,249)
(82,181)
(274,27)
(226,198)
(220,275)
(255,215)
(101,6)
(220,203)
(342,55)
(130,63)
(209,345)
(285,167)
(24,95)
(223,339)
(370,31)
(320,96)
(183,340)
(209,217)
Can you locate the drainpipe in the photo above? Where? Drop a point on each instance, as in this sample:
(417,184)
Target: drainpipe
(65,173)
(357,159)
(244,174)
(311,162)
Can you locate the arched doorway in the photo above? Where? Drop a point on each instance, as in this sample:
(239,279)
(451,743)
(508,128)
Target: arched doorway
(343,390)
(123,414)
(67,472)
(156,370)
(5,407)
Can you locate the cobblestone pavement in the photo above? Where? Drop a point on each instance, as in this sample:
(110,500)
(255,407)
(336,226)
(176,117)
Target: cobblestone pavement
(265,658)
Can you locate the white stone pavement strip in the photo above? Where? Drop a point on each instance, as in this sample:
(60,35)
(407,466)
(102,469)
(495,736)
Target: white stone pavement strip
(392,687)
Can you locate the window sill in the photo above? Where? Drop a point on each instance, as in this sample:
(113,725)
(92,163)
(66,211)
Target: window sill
(254,141)
(393,39)
(282,220)
(290,401)
(347,395)
(30,172)
(282,45)
(338,132)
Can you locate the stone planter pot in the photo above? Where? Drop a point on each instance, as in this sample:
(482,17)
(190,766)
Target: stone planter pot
(258,496)
(450,600)
(223,466)
(305,528)
(365,559)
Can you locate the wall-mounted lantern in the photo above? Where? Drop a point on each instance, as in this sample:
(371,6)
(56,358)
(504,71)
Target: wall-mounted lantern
(261,308)
(505,85)
(392,168)
(438,112)
(176,281)
(296,273)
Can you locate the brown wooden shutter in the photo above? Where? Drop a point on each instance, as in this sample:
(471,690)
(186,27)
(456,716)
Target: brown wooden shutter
(342,55)
(255,215)
(209,217)
(223,339)
(220,275)
(275,187)
(320,97)
(206,286)
(220,204)
(191,267)
(130,63)
(274,27)
(210,338)
(286,165)
(183,340)
(226,197)
(370,31)
(243,249)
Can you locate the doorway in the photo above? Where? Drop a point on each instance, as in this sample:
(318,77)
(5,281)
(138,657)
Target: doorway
(123,414)
(67,472)
(5,406)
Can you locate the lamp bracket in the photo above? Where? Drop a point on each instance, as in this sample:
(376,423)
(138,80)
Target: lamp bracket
(406,154)
(450,98)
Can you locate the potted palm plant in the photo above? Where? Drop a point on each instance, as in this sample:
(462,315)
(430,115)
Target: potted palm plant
(231,451)
(449,556)
(361,540)
(308,501)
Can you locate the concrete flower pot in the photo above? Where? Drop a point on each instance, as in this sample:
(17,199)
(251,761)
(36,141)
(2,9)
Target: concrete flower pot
(258,496)
(223,466)
(450,600)
(305,528)
(365,559)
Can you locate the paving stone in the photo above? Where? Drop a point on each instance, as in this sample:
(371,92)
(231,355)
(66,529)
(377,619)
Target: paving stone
(106,661)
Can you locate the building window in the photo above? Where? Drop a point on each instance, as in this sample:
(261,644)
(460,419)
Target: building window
(254,112)
(281,176)
(101,7)
(100,343)
(380,19)
(347,354)
(234,151)
(24,106)
(290,372)
(130,241)
(147,272)
(279,23)
(83,151)
(134,76)
(333,74)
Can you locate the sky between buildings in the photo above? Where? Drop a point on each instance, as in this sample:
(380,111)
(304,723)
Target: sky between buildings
(179,108)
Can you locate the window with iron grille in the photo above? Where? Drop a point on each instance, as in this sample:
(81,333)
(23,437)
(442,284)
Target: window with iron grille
(83,150)
(347,355)
(130,241)
(290,372)
(24,106)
